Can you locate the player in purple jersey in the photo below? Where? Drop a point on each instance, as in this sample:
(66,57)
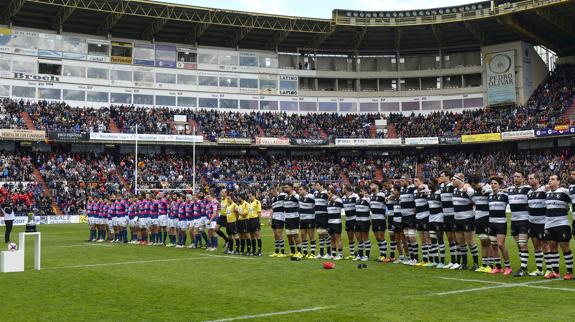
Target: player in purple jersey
(189,217)
(154,220)
(133,217)
(162,218)
(143,219)
(173,207)
(91,211)
(182,221)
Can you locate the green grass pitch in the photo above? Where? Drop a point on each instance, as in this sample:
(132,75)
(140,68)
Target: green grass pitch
(109,282)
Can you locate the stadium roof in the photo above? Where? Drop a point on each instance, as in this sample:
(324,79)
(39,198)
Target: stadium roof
(550,23)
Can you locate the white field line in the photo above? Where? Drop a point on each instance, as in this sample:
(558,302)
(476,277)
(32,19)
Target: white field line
(499,285)
(86,245)
(246,317)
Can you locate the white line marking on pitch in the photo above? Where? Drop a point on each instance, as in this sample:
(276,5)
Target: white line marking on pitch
(500,285)
(245,317)
(86,245)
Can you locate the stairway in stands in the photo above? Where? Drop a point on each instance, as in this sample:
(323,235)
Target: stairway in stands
(40,180)
(391,131)
(113,127)
(568,116)
(27,120)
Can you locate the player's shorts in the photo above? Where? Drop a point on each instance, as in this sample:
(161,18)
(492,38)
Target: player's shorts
(422,224)
(436,227)
(231,228)
(292,223)
(242,226)
(449,223)
(163,220)
(278,224)
(536,231)
(334,229)
(109,222)
(307,224)
(115,221)
(91,221)
(123,222)
(408,222)
(173,222)
(519,227)
(321,221)
(465,225)
(497,229)
(396,226)
(254,225)
(222,221)
(378,225)
(558,234)
(182,224)
(211,224)
(200,223)
(482,225)
(350,225)
(362,226)
(142,222)
(154,221)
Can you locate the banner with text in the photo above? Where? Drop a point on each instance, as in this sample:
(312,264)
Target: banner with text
(454,140)
(368,142)
(486,137)
(422,141)
(501,77)
(68,136)
(517,135)
(554,132)
(234,141)
(309,141)
(126,137)
(272,141)
(32,135)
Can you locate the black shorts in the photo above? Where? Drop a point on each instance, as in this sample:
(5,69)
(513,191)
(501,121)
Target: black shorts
(350,225)
(221,221)
(321,221)
(231,228)
(558,234)
(537,231)
(278,224)
(254,225)
(449,223)
(390,223)
(396,226)
(242,226)
(482,226)
(465,224)
(497,229)
(378,225)
(422,224)
(292,223)
(408,222)
(334,229)
(436,227)
(362,226)
(307,223)
(519,227)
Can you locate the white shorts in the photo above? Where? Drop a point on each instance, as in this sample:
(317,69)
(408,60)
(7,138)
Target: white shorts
(133,222)
(172,222)
(200,222)
(91,221)
(154,221)
(100,221)
(123,221)
(143,222)
(183,224)
(211,224)
(163,220)
(110,223)
(115,221)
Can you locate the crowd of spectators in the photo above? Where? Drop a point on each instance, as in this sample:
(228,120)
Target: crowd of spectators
(10,117)
(61,117)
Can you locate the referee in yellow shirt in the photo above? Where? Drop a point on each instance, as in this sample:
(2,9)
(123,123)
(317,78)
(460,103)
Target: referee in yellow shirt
(243,210)
(254,226)
(231,227)
(221,221)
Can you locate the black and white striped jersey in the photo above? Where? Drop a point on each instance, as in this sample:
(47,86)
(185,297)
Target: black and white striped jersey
(334,208)
(536,205)
(421,204)
(572,195)
(278,206)
(291,205)
(377,206)
(497,207)
(462,203)
(518,202)
(557,207)
(320,202)
(435,207)
(481,201)
(362,209)
(349,206)
(447,198)
(407,200)
(306,207)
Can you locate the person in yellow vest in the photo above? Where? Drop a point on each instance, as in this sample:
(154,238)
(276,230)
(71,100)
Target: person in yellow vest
(221,221)
(231,225)
(243,209)
(254,226)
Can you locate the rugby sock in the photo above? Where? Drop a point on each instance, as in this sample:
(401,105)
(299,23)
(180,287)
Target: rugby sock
(254,246)
(463,252)
(165,235)
(313,246)
(498,262)
(259,245)
(282,245)
(453,252)
(185,238)
(360,248)
(292,248)
(221,234)
(475,254)
(507,264)
(304,244)
(238,241)
(299,248)
(524,255)
(352,248)
(424,253)
(539,260)
(247,242)
(340,252)
(367,246)
(392,248)
(92,234)
(205,237)
(382,248)
(416,251)
(459,254)
(568,257)
(442,252)
(277,245)
(328,243)
(333,252)
(555,261)
(321,244)
(214,242)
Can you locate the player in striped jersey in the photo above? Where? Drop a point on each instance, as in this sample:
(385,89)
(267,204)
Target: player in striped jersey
(278,221)
(422,218)
(182,221)
(321,218)
(154,221)
(396,227)
(306,209)
(557,230)
(481,200)
(572,195)
(349,200)
(498,202)
(378,224)
(389,217)
(91,222)
(162,218)
(446,188)
(292,221)
(362,224)
(407,203)
(536,207)
(212,213)
(173,208)
(465,222)
(334,207)
(437,251)
(518,201)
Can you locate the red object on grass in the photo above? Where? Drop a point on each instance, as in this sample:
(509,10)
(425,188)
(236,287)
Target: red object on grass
(328,265)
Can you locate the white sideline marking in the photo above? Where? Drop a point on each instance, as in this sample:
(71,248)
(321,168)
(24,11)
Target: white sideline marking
(86,245)
(501,285)
(245,317)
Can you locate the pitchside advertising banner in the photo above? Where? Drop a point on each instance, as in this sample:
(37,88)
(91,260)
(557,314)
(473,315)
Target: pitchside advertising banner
(242,141)
(68,136)
(45,220)
(368,142)
(309,141)
(555,132)
(501,77)
(486,137)
(517,135)
(25,135)
(422,141)
(454,140)
(271,141)
(126,137)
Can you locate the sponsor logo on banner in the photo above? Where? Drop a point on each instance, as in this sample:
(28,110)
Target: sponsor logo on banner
(553,132)
(34,77)
(64,219)
(49,53)
(422,141)
(183,65)
(234,141)
(83,219)
(272,141)
(486,137)
(143,62)
(309,141)
(44,220)
(100,59)
(126,137)
(516,135)
(455,140)
(121,60)
(501,77)
(18,221)
(561,127)
(368,142)
(68,136)
(33,135)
